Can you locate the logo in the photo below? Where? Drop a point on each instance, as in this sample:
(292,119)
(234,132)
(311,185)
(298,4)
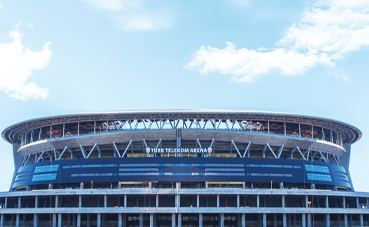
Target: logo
(147,150)
(210,150)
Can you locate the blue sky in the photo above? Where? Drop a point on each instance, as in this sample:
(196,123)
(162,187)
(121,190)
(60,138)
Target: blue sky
(309,57)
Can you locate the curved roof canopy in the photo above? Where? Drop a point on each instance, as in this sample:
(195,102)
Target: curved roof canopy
(13,133)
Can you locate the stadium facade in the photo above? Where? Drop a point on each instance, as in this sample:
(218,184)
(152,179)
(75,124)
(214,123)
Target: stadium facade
(182,168)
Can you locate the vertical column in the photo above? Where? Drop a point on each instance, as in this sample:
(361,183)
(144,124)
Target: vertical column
(200,220)
(309,220)
(264,220)
(2,220)
(157,201)
(238,200)
(78,220)
(125,200)
(179,220)
(344,202)
(327,220)
(105,201)
(303,221)
(357,202)
(79,201)
(98,221)
(35,220)
(119,220)
(361,220)
(221,224)
(217,200)
(6,202)
(36,202)
(151,220)
(54,220)
(16,219)
(88,220)
(243,220)
(284,220)
(141,220)
(56,201)
(345,220)
(173,220)
(326,202)
(60,219)
(257,201)
(283,201)
(198,200)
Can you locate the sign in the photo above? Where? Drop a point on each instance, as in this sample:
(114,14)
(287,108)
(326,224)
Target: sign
(179,150)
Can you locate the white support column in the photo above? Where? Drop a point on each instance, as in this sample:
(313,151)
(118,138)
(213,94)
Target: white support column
(157,201)
(307,201)
(243,220)
(79,201)
(78,220)
(60,219)
(98,221)
(198,200)
(2,220)
(125,200)
(200,220)
(56,201)
(327,220)
(257,201)
(217,200)
(264,220)
(151,220)
(16,220)
(88,220)
(345,220)
(283,201)
(35,220)
(177,201)
(238,200)
(173,220)
(36,202)
(141,220)
(309,220)
(119,220)
(105,201)
(361,220)
(303,221)
(179,220)
(221,224)
(54,220)
(284,220)
(326,202)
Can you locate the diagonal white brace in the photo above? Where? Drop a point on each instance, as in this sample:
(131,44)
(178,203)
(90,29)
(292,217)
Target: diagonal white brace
(212,142)
(298,149)
(280,151)
(65,148)
(247,149)
(26,160)
(236,149)
(91,150)
(126,149)
(199,143)
(83,151)
(116,149)
(271,150)
(157,145)
(322,156)
(40,156)
(339,160)
(145,143)
(55,158)
(308,152)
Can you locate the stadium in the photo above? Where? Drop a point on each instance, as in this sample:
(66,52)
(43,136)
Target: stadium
(182,168)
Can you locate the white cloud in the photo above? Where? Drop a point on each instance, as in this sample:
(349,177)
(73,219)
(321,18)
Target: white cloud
(323,34)
(134,15)
(16,66)
(2,7)
(245,64)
